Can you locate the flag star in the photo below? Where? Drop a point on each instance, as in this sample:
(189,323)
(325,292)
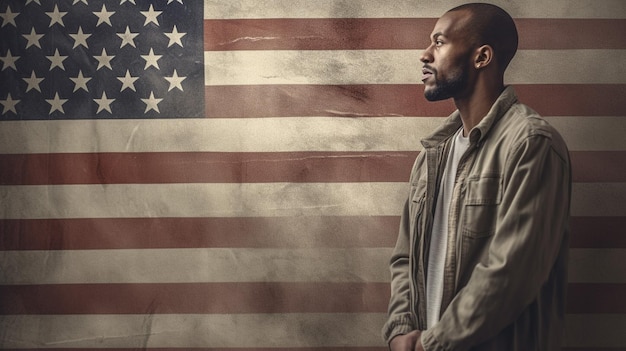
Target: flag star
(131,1)
(151,59)
(80,38)
(151,16)
(56,104)
(56,60)
(8,17)
(104,16)
(77,1)
(175,37)
(175,81)
(33,82)
(33,38)
(80,82)
(104,103)
(29,1)
(56,16)
(128,38)
(9,104)
(171,1)
(9,61)
(104,60)
(128,82)
(152,103)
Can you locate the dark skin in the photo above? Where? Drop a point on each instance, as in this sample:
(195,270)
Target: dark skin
(451,49)
(476,81)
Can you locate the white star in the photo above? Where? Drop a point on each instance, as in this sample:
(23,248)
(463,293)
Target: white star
(8,17)
(29,1)
(152,103)
(104,60)
(56,60)
(104,103)
(171,1)
(9,104)
(33,82)
(151,59)
(33,38)
(131,1)
(56,104)
(128,82)
(80,82)
(175,37)
(9,60)
(104,16)
(56,16)
(151,16)
(128,38)
(77,1)
(175,81)
(80,38)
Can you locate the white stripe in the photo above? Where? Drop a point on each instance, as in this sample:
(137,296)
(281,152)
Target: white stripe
(268,134)
(330,67)
(202,200)
(288,330)
(248,200)
(405,8)
(195,265)
(246,265)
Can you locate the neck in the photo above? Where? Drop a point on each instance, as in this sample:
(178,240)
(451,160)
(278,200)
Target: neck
(474,106)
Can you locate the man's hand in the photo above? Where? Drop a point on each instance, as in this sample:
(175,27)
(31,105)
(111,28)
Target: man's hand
(406,342)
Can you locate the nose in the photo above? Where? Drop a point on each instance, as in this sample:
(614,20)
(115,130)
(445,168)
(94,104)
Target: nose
(426,56)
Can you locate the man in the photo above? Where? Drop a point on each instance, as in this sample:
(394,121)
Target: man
(481,257)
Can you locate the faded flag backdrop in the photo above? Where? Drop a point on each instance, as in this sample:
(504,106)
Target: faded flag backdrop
(228,174)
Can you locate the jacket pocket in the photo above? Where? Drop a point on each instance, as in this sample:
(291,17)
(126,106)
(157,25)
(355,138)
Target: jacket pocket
(483,196)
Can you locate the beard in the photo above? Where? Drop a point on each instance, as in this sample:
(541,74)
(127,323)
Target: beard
(448,87)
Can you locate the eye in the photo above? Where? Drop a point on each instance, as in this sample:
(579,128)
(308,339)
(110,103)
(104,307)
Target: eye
(438,42)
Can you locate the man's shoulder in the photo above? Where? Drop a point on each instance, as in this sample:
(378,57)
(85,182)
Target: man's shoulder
(522,123)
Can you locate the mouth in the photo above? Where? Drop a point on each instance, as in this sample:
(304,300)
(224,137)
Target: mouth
(426,74)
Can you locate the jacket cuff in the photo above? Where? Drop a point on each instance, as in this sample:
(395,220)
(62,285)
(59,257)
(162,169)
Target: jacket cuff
(430,342)
(399,325)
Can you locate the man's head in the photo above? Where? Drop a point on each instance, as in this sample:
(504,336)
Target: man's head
(467,39)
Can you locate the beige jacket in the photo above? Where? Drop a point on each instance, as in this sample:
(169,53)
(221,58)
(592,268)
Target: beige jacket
(506,265)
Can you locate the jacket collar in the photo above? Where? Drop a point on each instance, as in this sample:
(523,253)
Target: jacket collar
(453,122)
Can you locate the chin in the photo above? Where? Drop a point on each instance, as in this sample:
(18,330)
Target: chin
(436,95)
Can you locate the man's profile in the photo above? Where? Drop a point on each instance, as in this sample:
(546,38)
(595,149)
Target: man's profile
(480,262)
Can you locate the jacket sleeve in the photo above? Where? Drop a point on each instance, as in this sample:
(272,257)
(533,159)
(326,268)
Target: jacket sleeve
(532,221)
(400,320)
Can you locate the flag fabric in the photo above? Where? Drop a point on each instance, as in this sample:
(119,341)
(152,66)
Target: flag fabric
(212,175)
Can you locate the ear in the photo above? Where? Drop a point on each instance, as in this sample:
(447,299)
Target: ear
(483,57)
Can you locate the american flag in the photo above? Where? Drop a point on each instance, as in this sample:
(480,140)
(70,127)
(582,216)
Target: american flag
(212,175)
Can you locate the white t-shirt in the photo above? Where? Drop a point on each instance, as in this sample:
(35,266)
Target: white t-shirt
(439,236)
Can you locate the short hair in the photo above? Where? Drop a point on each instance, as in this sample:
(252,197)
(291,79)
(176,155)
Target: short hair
(493,26)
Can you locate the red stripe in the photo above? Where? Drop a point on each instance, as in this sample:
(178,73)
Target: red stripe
(161,233)
(215,167)
(598,232)
(205,167)
(144,233)
(235,298)
(228,298)
(396,33)
(596,298)
(248,101)
(598,166)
